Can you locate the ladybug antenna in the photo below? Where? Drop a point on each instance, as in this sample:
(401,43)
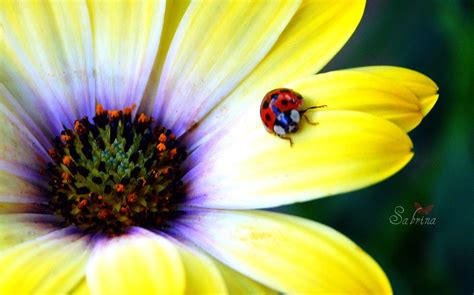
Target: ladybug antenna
(313,107)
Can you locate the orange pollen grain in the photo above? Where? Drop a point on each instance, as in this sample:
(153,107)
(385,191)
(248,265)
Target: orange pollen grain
(79,127)
(66,177)
(172,136)
(103,214)
(165,170)
(82,204)
(65,138)
(129,110)
(100,197)
(67,160)
(99,110)
(132,198)
(52,153)
(173,153)
(161,147)
(162,137)
(120,188)
(143,118)
(114,114)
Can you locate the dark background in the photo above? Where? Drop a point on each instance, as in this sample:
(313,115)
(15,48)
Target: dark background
(435,38)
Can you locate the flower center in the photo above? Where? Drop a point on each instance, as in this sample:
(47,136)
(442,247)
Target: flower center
(115,173)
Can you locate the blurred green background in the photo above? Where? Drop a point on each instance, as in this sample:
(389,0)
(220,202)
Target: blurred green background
(435,38)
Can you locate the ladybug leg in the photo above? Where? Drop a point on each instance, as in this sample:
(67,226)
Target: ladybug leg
(287,138)
(310,108)
(314,107)
(309,121)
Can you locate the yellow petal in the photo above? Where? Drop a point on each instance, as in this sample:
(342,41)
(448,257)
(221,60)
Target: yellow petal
(81,288)
(315,34)
(423,87)
(47,60)
(215,46)
(249,168)
(202,275)
(289,254)
(19,228)
(361,91)
(13,207)
(173,14)
(139,261)
(417,82)
(240,284)
(53,263)
(126,39)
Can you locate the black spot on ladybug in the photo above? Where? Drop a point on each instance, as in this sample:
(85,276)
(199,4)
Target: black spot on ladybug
(284,102)
(267,116)
(265,105)
(285,90)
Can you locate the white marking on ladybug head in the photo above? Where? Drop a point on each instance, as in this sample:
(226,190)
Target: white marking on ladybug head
(292,127)
(295,116)
(279,130)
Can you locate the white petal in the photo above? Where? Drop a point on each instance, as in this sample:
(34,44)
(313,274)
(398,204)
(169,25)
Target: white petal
(126,39)
(47,61)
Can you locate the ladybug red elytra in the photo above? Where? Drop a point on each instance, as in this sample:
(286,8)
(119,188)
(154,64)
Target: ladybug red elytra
(280,112)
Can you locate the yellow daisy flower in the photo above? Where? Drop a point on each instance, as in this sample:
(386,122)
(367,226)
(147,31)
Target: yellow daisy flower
(131,142)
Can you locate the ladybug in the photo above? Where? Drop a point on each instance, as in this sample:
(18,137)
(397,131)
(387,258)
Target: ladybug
(281,112)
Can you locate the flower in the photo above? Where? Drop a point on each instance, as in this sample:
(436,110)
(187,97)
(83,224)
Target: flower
(200,70)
